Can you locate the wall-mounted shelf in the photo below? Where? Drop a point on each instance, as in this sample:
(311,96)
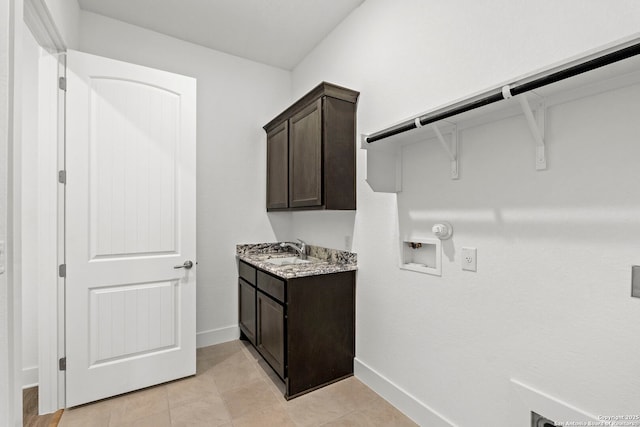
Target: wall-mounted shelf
(604,69)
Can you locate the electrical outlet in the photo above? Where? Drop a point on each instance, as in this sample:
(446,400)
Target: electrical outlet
(469,259)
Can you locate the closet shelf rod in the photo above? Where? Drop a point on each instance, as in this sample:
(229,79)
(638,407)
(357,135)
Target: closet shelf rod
(516,88)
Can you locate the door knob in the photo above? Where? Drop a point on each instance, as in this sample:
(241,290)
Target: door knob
(187,264)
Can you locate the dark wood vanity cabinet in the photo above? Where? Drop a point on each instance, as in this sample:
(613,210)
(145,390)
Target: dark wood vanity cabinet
(304,326)
(270,337)
(270,317)
(247,301)
(247,309)
(311,152)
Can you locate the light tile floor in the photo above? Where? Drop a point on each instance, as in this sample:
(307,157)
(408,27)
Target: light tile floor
(235,387)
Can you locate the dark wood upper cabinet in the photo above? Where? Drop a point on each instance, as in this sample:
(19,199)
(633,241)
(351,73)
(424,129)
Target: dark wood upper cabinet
(311,152)
(277,160)
(305,157)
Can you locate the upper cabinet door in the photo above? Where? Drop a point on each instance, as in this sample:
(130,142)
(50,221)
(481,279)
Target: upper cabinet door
(277,167)
(305,157)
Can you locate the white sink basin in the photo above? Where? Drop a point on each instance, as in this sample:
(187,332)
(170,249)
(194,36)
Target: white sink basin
(291,260)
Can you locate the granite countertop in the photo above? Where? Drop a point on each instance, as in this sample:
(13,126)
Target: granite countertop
(324,260)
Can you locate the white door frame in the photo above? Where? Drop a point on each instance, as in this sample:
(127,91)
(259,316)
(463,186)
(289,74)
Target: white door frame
(50,223)
(10,299)
(40,22)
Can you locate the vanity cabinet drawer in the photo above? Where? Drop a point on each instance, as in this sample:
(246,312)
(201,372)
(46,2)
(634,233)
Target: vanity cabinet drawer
(247,272)
(271,286)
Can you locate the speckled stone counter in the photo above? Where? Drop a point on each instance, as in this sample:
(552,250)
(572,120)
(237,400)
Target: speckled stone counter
(324,260)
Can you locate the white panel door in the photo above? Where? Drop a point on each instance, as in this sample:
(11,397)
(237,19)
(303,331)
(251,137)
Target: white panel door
(130,219)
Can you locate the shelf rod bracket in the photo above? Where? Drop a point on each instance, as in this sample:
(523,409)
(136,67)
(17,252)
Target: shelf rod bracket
(450,148)
(536,125)
(536,132)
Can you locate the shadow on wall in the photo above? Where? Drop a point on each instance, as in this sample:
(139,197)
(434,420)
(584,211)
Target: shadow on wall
(587,195)
(281,225)
(330,229)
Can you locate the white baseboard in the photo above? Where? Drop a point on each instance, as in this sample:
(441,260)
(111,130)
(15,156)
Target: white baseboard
(30,377)
(526,399)
(405,402)
(217,336)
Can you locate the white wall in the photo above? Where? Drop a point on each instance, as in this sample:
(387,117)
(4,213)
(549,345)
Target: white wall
(236,97)
(555,248)
(29,217)
(66,15)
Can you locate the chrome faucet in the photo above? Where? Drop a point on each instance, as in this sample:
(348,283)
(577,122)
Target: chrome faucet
(302,249)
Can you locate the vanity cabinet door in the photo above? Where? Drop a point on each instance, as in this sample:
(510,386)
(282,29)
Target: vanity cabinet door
(247,309)
(270,334)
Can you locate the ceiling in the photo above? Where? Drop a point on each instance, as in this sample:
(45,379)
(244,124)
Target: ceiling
(274,32)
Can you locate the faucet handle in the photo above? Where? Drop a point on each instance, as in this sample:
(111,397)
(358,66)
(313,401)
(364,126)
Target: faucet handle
(303,249)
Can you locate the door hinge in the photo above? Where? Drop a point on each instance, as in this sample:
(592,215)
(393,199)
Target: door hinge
(62,177)
(62,364)
(62,270)
(62,83)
